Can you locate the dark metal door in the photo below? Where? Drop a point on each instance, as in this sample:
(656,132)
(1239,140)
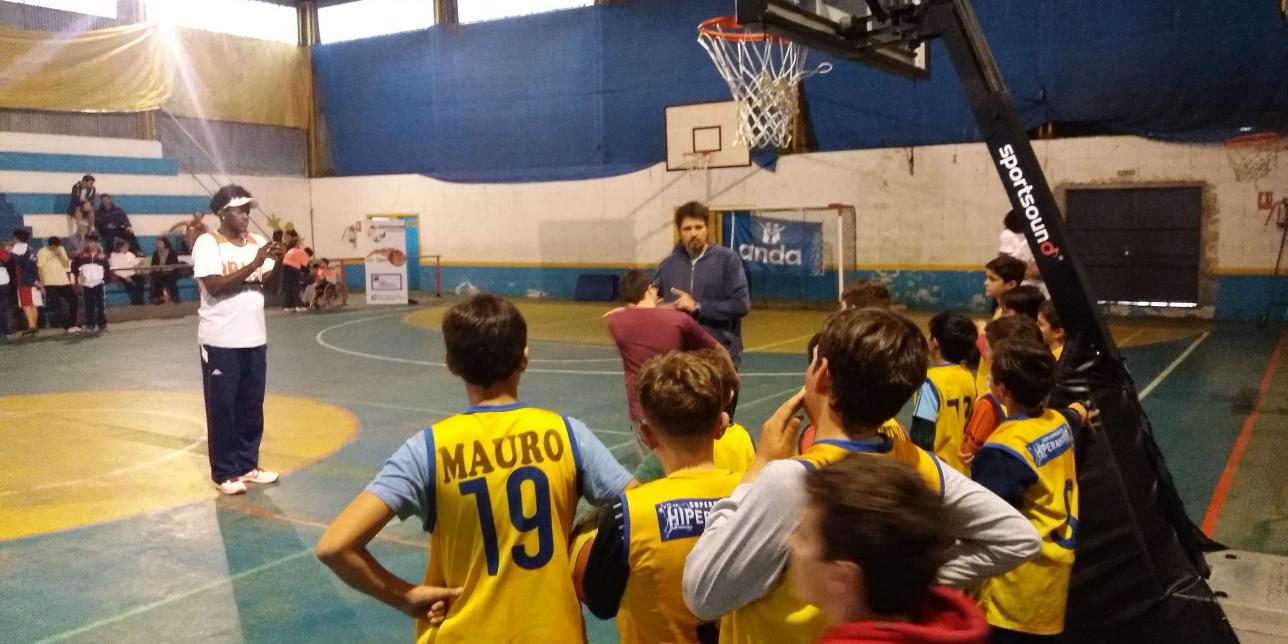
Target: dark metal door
(1138,244)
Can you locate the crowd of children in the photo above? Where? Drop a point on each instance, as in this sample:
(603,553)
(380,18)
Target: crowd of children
(962,530)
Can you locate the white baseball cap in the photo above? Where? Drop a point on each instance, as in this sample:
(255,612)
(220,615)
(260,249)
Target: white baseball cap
(241,201)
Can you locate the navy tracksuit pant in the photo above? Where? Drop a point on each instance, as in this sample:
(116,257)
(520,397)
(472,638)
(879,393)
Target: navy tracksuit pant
(233,381)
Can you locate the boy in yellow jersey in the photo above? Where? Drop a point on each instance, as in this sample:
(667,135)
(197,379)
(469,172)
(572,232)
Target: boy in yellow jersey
(734,448)
(496,486)
(867,365)
(987,413)
(890,428)
(1052,329)
(945,398)
(1029,462)
(633,569)
(1001,274)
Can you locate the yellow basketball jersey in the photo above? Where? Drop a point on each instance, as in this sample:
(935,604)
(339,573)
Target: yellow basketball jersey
(1058,352)
(734,451)
(955,386)
(781,617)
(664,519)
(1031,598)
(506,482)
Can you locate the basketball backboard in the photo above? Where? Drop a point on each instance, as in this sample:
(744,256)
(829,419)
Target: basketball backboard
(701,136)
(881,33)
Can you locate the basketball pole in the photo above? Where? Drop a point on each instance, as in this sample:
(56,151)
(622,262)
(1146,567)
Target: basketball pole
(1139,574)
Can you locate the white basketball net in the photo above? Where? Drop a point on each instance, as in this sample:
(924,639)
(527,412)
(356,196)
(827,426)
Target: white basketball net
(764,75)
(697,163)
(1253,157)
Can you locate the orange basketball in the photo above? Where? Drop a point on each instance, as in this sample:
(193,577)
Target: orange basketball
(397,257)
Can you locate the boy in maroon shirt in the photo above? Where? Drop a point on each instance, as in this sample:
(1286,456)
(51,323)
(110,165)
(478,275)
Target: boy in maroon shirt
(643,329)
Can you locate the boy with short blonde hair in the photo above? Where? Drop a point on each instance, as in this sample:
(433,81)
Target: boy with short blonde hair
(634,568)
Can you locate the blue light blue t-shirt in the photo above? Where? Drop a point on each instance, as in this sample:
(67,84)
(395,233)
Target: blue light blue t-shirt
(927,403)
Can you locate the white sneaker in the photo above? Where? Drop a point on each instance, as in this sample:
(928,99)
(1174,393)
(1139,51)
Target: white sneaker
(73,330)
(231,487)
(259,476)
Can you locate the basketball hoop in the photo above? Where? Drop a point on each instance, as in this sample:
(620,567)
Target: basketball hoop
(1252,156)
(764,73)
(697,162)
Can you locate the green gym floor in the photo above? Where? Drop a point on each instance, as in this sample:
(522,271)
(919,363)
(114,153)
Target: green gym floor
(110,532)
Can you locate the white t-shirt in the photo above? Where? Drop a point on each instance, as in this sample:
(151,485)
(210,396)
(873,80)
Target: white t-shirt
(121,261)
(234,320)
(1015,245)
(4,280)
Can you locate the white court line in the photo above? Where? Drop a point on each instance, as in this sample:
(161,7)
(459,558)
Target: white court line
(774,396)
(170,599)
(340,401)
(1171,367)
(780,342)
(321,340)
(614,448)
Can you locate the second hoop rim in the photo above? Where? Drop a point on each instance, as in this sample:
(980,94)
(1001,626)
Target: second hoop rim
(1253,139)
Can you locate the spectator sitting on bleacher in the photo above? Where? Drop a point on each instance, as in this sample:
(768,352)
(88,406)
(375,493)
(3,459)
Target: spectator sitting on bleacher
(165,282)
(83,192)
(123,262)
(112,224)
(81,225)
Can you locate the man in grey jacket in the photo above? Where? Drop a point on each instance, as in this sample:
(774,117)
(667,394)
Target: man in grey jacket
(705,280)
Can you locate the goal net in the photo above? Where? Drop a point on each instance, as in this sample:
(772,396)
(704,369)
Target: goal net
(794,257)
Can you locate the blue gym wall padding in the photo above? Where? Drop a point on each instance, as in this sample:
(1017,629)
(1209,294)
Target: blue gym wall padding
(580,94)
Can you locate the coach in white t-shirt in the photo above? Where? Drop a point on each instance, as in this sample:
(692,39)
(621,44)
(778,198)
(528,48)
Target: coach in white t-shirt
(231,264)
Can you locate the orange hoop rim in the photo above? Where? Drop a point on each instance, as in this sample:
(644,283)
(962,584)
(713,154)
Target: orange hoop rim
(717,28)
(1253,140)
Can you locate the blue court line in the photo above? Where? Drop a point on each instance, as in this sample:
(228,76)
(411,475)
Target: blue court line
(170,599)
(29,203)
(82,164)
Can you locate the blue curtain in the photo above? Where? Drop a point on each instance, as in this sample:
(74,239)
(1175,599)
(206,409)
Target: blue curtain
(580,94)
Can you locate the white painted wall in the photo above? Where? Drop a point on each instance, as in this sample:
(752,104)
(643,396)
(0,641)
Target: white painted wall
(86,145)
(942,208)
(931,206)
